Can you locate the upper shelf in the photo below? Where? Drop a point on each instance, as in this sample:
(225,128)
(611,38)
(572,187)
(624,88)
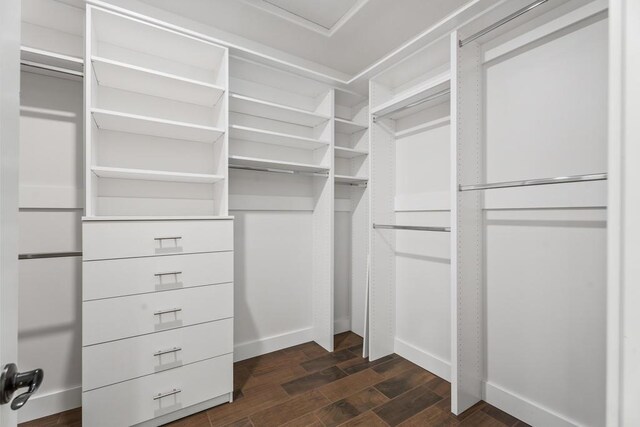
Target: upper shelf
(131,123)
(349,126)
(348,153)
(275,164)
(276,138)
(402,104)
(151,82)
(51,61)
(347,179)
(153,175)
(270,110)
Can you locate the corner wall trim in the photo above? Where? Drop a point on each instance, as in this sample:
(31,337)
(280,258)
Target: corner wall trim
(423,359)
(51,403)
(249,349)
(526,410)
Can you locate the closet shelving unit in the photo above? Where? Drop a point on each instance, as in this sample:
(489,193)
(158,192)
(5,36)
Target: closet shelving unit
(530,145)
(281,124)
(409,295)
(351,153)
(150,96)
(156,139)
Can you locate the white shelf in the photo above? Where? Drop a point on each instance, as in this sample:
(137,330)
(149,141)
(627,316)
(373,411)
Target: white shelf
(275,164)
(156,218)
(348,126)
(256,107)
(351,179)
(276,138)
(131,123)
(150,82)
(51,61)
(153,175)
(432,86)
(348,153)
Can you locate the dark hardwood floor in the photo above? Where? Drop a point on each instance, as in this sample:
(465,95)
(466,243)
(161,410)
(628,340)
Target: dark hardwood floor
(308,386)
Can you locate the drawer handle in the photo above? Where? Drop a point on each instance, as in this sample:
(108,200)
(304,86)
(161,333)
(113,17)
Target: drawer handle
(171,350)
(170,310)
(169,393)
(168,273)
(168,238)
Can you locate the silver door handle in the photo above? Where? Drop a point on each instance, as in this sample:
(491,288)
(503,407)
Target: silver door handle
(168,238)
(170,310)
(171,350)
(169,393)
(169,273)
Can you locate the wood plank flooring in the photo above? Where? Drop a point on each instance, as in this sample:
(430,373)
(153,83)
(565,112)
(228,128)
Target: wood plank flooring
(308,386)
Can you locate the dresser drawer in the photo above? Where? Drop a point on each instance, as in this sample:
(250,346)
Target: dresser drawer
(116,318)
(118,277)
(128,239)
(135,401)
(147,354)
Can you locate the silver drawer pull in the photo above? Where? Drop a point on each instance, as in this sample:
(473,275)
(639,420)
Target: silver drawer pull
(168,273)
(170,310)
(168,238)
(171,350)
(169,393)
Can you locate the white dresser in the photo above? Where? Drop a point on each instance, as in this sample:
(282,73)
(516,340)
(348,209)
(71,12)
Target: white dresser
(157,300)
(157,319)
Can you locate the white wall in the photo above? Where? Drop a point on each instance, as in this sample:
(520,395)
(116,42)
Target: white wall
(49,220)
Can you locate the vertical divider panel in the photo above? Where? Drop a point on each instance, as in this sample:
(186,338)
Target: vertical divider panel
(382,280)
(467,348)
(323,242)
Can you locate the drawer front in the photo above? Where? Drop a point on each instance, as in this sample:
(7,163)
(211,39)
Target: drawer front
(128,239)
(116,318)
(153,353)
(119,277)
(136,401)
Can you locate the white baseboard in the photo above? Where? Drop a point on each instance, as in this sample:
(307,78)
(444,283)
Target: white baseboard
(423,359)
(526,410)
(247,350)
(51,403)
(342,325)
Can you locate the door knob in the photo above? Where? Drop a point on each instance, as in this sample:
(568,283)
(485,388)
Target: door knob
(11,380)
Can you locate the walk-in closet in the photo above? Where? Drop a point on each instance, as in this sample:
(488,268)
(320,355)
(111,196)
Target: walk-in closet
(266,213)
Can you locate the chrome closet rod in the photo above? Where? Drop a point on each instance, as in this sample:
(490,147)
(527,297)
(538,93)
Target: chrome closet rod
(51,68)
(501,22)
(290,172)
(49,255)
(539,181)
(412,227)
(436,95)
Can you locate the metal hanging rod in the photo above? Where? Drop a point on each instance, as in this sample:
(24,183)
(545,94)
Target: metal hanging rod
(47,67)
(412,227)
(350,184)
(501,22)
(49,255)
(532,182)
(436,95)
(290,172)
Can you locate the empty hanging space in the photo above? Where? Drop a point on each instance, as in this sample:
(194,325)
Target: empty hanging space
(410,244)
(531,213)
(153,93)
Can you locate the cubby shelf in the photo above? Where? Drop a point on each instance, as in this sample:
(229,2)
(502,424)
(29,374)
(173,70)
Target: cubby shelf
(270,110)
(348,153)
(348,126)
(276,138)
(410,96)
(155,83)
(275,164)
(131,123)
(351,179)
(153,175)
